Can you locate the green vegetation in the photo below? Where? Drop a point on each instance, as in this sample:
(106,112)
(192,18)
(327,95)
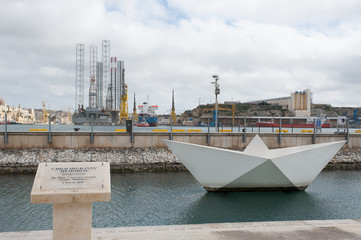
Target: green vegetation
(242,108)
(226,109)
(269,107)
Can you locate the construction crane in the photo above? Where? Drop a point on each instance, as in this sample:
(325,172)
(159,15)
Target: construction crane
(224,109)
(355,120)
(135,115)
(173,116)
(69,116)
(123,113)
(45,114)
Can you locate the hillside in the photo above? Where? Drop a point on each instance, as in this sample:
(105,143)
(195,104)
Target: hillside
(262,109)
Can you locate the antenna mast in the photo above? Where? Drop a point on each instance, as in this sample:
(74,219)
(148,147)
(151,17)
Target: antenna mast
(173,116)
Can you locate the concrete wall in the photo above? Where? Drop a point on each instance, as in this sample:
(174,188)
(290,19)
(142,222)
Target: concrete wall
(75,140)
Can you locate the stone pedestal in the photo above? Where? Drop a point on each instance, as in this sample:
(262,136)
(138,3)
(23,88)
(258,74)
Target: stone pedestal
(71,188)
(72,219)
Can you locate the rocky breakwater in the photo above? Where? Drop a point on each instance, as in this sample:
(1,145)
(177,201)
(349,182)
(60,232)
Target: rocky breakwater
(346,159)
(121,160)
(129,160)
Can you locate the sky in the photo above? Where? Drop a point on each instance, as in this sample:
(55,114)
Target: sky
(259,49)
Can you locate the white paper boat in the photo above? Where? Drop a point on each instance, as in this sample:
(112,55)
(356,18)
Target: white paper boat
(257,168)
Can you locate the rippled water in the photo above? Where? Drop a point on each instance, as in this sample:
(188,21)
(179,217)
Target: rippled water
(176,198)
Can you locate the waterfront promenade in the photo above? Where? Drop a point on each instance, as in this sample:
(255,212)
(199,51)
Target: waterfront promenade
(305,230)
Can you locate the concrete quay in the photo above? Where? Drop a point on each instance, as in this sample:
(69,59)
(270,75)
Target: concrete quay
(81,140)
(315,229)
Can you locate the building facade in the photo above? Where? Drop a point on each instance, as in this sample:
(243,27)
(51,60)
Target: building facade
(16,114)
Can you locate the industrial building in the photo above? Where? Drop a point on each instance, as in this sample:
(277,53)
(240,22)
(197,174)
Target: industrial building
(299,102)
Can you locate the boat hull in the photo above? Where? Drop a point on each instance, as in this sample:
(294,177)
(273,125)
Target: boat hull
(257,189)
(142,125)
(257,168)
(152,121)
(305,125)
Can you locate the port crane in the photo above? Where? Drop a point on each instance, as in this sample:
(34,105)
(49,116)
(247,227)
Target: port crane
(355,119)
(45,114)
(123,113)
(225,108)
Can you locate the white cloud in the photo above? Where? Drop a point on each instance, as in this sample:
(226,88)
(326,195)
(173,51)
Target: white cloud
(260,49)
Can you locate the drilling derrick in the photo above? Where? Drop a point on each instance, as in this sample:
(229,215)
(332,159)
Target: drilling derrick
(79,76)
(173,116)
(135,115)
(123,114)
(92,72)
(113,84)
(110,106)
(106,70)
(92,94)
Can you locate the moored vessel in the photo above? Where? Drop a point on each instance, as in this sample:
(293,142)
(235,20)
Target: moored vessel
(2,122)
(147,114)
(95,116)
(319,122)
(298,125)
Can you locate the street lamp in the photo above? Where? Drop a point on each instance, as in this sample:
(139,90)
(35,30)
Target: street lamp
(216,91)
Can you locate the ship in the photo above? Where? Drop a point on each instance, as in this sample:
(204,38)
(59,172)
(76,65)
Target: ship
(95,116)
(257,168)
(319,122)
(147,114)
(297,125)
(2,122)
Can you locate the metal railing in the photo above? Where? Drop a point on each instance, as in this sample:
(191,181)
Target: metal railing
(245,129)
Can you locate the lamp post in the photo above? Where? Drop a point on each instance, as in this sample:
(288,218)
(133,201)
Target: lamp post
(216,91)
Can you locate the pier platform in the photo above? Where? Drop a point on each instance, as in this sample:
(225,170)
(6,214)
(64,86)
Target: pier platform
(320,229)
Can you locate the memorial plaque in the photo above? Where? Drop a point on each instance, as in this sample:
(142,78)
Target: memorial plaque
(73,177)
(71,188)
(74,182)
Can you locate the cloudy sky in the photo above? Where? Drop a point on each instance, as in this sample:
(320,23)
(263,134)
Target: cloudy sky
(260,49)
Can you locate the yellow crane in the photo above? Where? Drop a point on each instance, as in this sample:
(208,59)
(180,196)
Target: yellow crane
(123,113)
(225,108)
(45,114)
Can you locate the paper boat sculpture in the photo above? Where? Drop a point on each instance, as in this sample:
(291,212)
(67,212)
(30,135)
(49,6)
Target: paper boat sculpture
(257,168)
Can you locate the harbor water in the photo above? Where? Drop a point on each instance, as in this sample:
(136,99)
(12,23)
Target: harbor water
(177,198)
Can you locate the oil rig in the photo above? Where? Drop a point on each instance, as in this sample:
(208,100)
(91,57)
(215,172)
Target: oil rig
(108,93)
